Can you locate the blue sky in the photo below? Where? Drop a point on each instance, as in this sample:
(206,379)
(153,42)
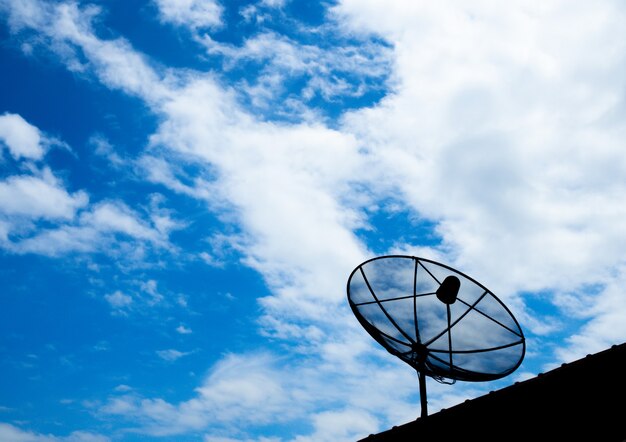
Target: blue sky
(186,185)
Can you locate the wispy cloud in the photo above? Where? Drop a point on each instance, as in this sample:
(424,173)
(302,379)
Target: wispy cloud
(183,330)
(171,354)
(118,300)
(39,197)
(104,148)
(71,223)
(330,73)
(253,390)
(193,14)
(248,388)
(10,432)
(66,29)
(107,227)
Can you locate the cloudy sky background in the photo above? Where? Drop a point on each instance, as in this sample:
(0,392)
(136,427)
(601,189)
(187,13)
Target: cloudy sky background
(186,186)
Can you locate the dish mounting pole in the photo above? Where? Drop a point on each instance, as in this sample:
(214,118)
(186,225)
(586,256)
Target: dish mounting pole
(423,400)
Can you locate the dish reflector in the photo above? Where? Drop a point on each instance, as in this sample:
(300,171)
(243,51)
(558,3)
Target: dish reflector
(438,320)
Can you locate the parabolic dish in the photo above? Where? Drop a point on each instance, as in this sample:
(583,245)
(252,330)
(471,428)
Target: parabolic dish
(436,319)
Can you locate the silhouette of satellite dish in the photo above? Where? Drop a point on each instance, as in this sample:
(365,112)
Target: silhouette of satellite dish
(438,320)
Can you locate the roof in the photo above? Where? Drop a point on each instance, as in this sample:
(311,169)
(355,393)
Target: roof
(581,400)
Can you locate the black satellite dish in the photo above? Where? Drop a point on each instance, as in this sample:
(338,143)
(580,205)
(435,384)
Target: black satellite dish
(438,320)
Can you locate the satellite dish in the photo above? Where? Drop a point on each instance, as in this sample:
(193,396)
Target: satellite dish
(438,320)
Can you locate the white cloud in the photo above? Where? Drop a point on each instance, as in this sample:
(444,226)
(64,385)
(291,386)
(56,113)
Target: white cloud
(59,241)
(117,217)
(348,70)
(504,128)
(183,330)
(190,13)
(66,29)
(211,260)
(346,425)
(239,390)
(39,197)
(118,300)
(605,325)
(5,228)
(299,180)
(76,227)
(139,296)
(273,3)
(220,438)
(165,171)
(171,354)
(109,227)
(104,148)
(150,288)
(12,433)
(21,138)
(359,390)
